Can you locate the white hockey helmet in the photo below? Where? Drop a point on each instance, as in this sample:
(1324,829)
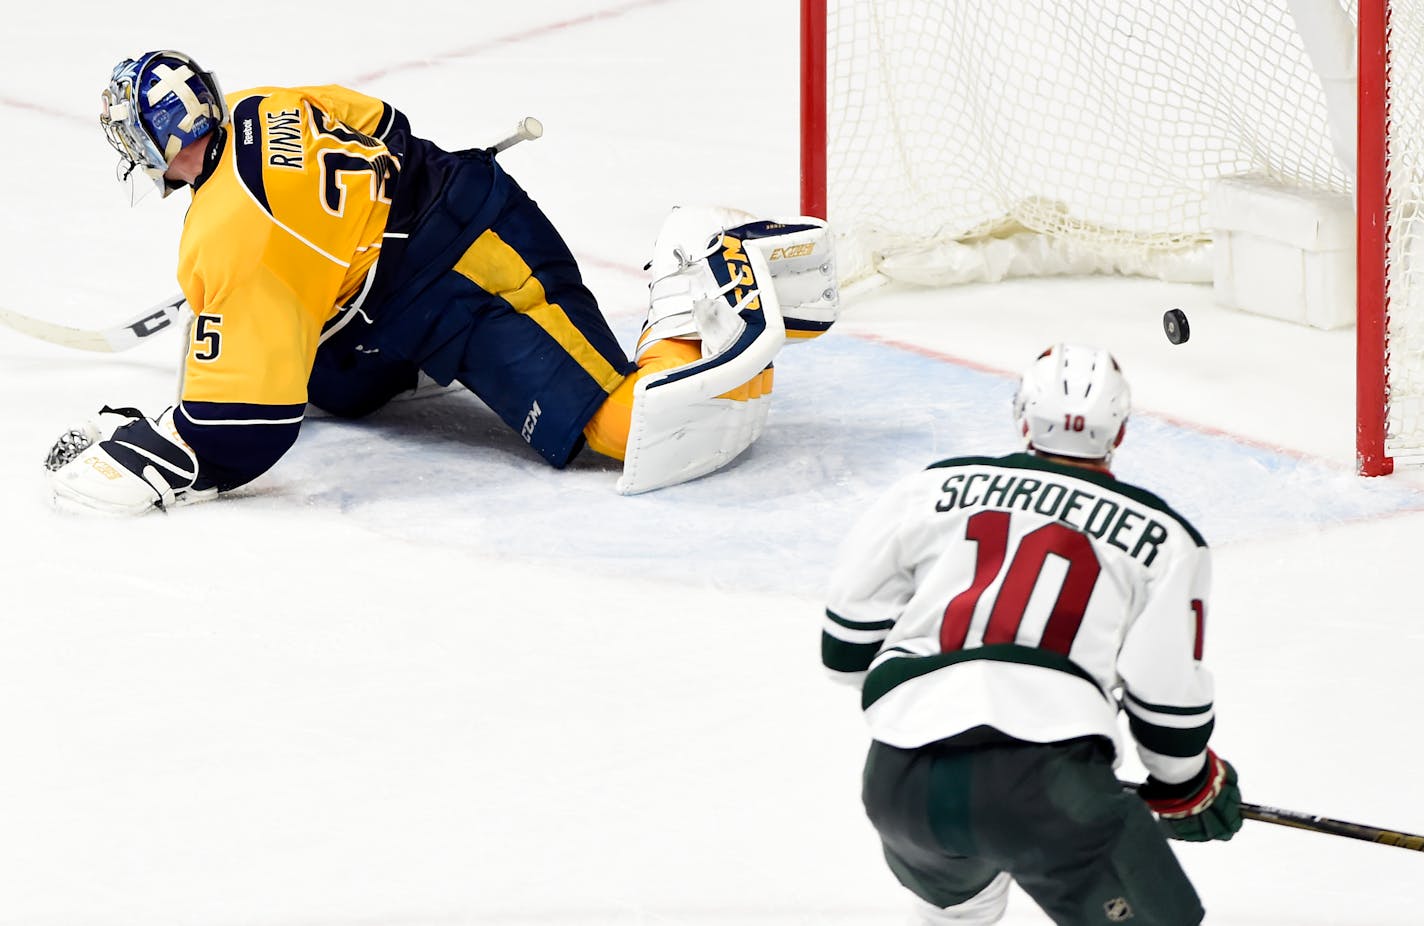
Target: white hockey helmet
(1073,402)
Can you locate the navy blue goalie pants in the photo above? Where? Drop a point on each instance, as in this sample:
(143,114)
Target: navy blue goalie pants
(475,285)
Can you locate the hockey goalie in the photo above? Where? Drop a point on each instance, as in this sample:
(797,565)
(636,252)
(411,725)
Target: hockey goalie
(333,259)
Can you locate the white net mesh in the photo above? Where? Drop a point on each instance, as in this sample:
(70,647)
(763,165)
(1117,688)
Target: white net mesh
(1097,123)
(1099,126)
(1404,423)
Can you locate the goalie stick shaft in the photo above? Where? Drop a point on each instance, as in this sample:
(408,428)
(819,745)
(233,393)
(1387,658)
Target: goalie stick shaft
(1328,825)
(117,338)
(165,314)
(528,129)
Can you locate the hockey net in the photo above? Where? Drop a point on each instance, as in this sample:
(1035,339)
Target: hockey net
(965,141)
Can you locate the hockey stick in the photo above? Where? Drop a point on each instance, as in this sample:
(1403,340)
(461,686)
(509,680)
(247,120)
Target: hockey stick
(108,340)
(162,315)
(1305,821)
(528,129)
(1327,825)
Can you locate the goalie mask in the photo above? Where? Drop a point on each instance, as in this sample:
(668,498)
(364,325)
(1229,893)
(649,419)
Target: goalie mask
(1073,402)
(156,106)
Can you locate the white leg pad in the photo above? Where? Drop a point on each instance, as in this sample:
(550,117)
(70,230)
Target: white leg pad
(682,424)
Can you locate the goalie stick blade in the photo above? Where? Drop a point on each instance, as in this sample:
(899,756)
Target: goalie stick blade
(120,337)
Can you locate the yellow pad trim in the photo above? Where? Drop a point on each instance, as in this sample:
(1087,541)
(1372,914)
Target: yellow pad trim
(495,267)
(607,430)
(754,388)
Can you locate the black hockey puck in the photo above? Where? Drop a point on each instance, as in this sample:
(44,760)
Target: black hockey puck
(1174,322)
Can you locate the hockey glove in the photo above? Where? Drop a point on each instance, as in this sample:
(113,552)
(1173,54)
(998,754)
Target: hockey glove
(1205,807)
(142,464)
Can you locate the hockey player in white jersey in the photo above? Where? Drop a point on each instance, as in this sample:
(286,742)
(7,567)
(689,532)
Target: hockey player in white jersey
(996,613)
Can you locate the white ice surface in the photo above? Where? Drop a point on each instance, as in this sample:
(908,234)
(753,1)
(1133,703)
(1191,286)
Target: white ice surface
(414,677)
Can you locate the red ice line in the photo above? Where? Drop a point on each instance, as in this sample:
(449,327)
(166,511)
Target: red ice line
(512,39)
(1170,419)
(9,102)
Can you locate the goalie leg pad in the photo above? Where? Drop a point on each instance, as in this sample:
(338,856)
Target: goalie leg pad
(694,419)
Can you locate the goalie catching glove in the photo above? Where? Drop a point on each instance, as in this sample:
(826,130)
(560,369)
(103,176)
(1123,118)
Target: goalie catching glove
(123,464)
(1207,806)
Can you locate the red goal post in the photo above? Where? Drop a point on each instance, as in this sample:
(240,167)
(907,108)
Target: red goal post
(927,125)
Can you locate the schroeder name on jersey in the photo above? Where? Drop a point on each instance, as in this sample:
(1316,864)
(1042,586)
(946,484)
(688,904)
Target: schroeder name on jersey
(1135,533)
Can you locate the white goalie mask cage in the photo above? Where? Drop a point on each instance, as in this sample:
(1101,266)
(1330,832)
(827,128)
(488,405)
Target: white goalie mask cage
(1073,402)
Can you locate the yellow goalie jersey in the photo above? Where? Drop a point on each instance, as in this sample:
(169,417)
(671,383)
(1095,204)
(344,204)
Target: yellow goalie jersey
(285,226)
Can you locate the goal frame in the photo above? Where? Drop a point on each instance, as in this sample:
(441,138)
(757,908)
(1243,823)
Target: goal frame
(1372,241)
(1371,190)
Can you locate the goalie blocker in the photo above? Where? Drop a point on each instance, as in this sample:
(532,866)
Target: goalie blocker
(742,290)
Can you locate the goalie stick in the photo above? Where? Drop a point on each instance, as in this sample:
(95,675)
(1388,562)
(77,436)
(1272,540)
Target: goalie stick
(1327,825)
(164,314)
(109,340)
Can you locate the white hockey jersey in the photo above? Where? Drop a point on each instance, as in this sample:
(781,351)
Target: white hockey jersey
(1027,596)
